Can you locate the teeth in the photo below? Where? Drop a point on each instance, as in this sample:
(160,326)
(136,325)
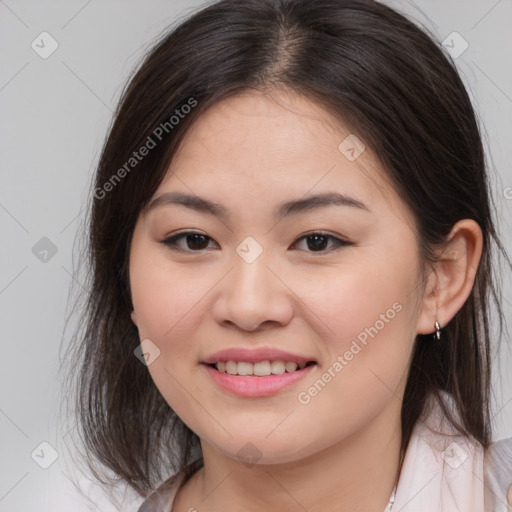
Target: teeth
(291,367)
(231,367)
(260,369)
(277,367)
(244,368)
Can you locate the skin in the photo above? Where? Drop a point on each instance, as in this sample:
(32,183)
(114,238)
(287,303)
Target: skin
(340,451)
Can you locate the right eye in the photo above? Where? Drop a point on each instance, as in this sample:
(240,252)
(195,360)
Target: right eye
(195,242)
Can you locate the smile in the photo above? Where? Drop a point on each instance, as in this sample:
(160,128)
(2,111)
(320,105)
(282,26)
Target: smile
(258,379)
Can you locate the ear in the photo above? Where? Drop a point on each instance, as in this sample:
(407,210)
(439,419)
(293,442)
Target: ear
(134,317)
(452,277)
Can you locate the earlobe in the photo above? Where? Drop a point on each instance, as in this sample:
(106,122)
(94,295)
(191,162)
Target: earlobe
(134,317)
(453,276)
(429,309)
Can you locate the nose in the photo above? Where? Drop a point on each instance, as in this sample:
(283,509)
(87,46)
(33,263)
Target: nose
(253,296)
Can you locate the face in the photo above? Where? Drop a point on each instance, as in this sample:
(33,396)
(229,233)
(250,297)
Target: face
(337,283)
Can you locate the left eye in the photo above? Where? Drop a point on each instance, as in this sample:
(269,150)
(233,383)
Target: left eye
(318,241)
(197,242)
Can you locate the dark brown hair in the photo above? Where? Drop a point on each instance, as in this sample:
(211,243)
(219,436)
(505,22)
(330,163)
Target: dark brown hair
(387,80)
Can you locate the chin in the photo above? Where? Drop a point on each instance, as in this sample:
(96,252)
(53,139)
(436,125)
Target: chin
(261,451)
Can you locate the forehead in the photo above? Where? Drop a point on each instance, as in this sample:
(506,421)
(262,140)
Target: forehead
(261,148)
(265,126)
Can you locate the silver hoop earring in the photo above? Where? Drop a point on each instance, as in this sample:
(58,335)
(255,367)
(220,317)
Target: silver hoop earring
(437,335)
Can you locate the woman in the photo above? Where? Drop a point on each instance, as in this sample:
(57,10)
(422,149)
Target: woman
(291,246)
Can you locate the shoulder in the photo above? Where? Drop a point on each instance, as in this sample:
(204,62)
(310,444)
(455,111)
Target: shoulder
(498,457)
(498,473)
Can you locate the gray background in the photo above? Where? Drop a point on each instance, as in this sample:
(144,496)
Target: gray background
(55,113)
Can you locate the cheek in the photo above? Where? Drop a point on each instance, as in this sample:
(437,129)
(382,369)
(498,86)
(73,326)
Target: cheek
(365,317)
(349,302)
(166,299)
(171,305)
(367,341)
(160,301)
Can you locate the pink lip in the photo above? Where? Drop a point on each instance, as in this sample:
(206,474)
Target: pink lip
(248,386)
(255,356)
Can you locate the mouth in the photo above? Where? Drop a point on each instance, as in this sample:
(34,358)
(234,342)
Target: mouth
(257,380)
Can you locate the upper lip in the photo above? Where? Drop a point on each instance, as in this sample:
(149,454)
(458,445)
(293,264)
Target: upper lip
(255,356)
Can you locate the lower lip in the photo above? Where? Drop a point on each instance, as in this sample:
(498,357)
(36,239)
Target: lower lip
(256,386)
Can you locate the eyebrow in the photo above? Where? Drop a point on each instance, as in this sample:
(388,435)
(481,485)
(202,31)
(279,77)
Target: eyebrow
(285,209)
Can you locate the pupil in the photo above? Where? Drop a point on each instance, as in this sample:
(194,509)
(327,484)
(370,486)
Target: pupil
(316,244)
(195,237)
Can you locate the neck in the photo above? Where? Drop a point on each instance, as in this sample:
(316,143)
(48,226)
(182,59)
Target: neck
(358,473)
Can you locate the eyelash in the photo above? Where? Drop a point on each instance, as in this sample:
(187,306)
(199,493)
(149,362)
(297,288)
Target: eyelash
(171,244)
